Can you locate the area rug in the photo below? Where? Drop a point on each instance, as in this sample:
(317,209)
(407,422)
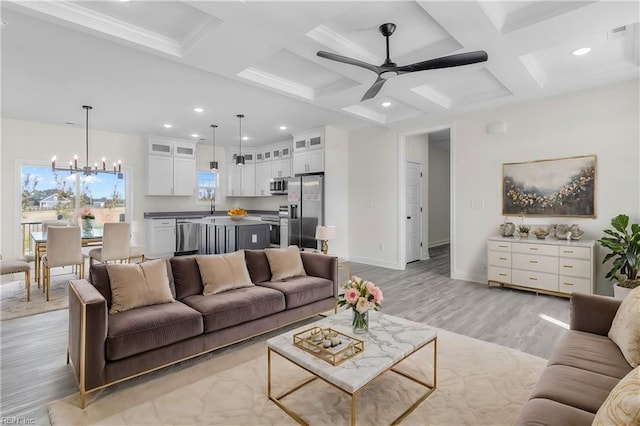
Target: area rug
(479,383)
(13,297)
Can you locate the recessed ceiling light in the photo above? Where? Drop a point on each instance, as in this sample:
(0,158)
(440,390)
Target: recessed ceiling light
(386,104)
(194,135)
(581,51)
(167,125)
(198,109)
(245,138)
(283,127)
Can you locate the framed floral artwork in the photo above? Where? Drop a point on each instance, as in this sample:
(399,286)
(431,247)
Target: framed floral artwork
(557,187)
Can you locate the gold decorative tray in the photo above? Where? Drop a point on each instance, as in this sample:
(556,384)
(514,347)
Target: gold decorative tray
(341,347)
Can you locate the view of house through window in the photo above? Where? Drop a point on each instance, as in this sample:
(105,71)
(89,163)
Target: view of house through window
(49,195)
(207,182)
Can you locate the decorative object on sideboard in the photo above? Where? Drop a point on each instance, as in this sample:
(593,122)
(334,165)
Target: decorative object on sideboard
(624,243)
(540,233)
(556,187)
(507,229)
(576,232)
(561,232)
(87,170)
(523,231)
(240,157)
(324,234)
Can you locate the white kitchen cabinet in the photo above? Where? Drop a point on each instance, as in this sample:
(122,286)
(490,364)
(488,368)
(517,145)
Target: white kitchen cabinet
(280,168)
(241,180)
(550,266)
(308,162)
(263,178)
(160,238)
(171,167)
(308,140)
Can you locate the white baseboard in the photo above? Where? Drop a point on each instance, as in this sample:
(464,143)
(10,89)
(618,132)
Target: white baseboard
(376,262)
(481,279)
(433,244)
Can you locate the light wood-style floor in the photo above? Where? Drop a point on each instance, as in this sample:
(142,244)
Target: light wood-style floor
(34,372)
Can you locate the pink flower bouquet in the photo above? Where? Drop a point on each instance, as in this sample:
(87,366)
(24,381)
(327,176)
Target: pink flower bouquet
(360,295)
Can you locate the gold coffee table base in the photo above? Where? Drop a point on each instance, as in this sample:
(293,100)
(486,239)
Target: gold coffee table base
(430,389)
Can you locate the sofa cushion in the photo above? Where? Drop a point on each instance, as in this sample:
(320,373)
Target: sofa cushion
(223,272)
(590,352)
(236,306)
(285,263)
(301,291)
(545,412)
(622,406)
(186,276)
(258,265)
(575,387)
(137,285)
(150,327)
(625,328)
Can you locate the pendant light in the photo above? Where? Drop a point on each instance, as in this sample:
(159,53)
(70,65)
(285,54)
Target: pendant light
(240,157)
(87,170)
(213,165)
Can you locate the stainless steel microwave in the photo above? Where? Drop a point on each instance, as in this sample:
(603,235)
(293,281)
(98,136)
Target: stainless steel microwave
(278,185)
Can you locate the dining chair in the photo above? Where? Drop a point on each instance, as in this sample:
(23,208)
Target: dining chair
(115,243)
(16,266)
(64,248)
(47,223)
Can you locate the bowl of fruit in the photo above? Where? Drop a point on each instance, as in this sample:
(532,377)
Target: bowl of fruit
(236,214)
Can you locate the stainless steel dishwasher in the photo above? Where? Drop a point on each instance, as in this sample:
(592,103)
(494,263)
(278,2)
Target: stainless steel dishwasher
(187,237)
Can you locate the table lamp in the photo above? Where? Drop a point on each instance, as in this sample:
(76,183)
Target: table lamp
(324,234)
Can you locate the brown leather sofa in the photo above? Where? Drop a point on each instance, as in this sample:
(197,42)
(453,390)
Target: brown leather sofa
(109,348)
(583,369)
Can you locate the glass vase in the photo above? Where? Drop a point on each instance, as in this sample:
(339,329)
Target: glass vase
(360,322)
(87,227)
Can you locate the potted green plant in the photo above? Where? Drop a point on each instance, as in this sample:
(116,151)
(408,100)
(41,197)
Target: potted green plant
(624,243)
(523,230)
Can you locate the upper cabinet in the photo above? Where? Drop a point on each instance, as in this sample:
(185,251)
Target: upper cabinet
(171,166)
(308,152)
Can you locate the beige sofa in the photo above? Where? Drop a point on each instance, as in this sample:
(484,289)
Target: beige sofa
(583,369)
(108,348)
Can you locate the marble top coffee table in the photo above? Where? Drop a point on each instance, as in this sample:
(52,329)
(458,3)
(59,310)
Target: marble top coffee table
(389,341)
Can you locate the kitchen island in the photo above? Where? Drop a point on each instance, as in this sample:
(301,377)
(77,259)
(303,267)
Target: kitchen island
(220,234)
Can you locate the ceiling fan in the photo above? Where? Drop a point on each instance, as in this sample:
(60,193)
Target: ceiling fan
(390,69)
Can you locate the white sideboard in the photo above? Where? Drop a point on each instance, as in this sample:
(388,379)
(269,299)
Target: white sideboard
(548,266)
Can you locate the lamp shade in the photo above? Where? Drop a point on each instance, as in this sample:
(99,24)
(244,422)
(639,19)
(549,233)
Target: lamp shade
(325,232)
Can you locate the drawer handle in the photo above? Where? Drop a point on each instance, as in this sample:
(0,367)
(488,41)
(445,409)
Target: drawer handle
(533,279)
(503,258)
(567,266)
(568,283)
(533,261)
(502,275)
(503,246)
(568,251)
(533,248)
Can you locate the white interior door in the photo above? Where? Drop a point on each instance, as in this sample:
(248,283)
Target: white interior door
(413,209)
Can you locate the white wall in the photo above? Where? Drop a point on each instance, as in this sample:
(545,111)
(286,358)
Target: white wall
(373,196)
(438,213)
(336,175)
(604,121)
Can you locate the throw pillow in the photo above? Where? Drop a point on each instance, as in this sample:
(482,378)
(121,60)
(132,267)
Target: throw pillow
(137,285)
(285,263)
(622,406)
(223,272)
(625,328)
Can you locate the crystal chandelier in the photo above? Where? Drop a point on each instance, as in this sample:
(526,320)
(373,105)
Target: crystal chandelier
(88,170)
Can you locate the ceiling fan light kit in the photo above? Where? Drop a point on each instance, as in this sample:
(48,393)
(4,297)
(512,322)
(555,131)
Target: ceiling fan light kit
(390,69)
(87,170)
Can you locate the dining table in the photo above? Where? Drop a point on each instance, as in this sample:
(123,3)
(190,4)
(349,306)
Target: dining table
(39,238)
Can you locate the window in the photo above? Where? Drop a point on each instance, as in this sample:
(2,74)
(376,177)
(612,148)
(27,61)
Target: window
(48,195)
(207,183)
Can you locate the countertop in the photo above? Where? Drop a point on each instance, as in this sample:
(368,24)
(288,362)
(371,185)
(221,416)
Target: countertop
(227,221)
(199,214)
(549,240)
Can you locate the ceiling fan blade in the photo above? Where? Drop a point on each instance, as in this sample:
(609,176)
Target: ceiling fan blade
(374,89)
(445,62)
(350,61)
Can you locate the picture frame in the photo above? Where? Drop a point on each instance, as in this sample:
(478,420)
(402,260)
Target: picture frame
(562,187)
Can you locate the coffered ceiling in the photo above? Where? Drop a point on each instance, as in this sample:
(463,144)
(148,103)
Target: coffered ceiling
(141,64)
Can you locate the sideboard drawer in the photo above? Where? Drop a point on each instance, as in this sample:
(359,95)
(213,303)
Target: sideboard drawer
(574,285)
(543,249)
(498,258)
(535,280)
(499,246)
(575,267)
(576,252)
(535,263)
(501,275)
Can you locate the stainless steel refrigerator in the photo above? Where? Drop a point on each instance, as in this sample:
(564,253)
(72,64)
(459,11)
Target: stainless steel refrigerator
(305,197)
